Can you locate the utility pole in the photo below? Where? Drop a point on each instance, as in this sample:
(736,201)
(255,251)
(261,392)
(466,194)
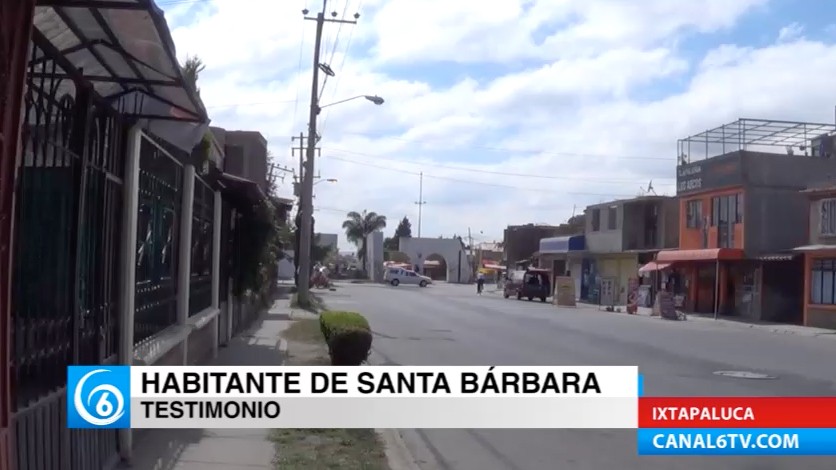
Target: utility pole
(301,149)
(420,202)
(274,167)
(307,177)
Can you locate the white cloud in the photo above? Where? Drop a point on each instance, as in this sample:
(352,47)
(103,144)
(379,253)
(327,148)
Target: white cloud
(517,112)
(790,32)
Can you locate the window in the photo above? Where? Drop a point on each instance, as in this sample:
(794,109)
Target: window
(694,213)
(828,217)
(596,220)
(727,209)
(821,282)
(612,218)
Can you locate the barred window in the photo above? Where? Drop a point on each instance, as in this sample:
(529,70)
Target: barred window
(822,278)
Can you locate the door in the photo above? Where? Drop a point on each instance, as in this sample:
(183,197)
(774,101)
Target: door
(412,278)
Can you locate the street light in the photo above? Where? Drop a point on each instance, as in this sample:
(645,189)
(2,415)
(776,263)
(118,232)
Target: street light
(373,98)
(329,180)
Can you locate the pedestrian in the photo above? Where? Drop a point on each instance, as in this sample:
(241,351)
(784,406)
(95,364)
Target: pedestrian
(480,282)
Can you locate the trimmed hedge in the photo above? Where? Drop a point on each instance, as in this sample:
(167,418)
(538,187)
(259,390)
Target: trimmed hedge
(348,335)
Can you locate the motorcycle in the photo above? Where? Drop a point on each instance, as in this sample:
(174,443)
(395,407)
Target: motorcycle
(320,280)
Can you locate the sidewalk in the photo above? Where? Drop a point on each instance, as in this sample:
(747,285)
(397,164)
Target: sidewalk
(766,327)
(227,449)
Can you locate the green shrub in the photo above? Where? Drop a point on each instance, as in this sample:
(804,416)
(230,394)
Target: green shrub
(348,336)
(350,347)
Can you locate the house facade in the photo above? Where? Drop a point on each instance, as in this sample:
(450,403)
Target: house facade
(622,236)
(819,296)
(521,242)
(740,215)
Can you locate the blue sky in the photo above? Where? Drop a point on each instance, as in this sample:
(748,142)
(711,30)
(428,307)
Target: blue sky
(518,112)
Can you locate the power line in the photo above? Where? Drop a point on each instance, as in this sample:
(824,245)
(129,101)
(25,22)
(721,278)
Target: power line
(500,173)
(482,183)
(299,72)
(342,67)
(334,44)
(507,150)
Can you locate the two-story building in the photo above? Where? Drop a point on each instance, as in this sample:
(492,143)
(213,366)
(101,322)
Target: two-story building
(742,213)
(623,235)
(820,259)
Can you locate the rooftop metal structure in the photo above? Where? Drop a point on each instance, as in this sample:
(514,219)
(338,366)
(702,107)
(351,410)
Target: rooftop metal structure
(752,134)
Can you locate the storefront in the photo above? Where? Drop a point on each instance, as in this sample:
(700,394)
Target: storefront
(702,281)
(564,256)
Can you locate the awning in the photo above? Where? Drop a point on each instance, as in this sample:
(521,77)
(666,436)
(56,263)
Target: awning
(653,266)
(241,191)
(708,254)
(562,245)
(778,257)
(431,263)
(124,48)
(494,267)
(815,248)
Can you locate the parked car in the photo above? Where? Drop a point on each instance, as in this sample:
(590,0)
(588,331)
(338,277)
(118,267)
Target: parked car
(398,276)
(530,283)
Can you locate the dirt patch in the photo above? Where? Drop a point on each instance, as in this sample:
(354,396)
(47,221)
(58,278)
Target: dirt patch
(304,331)
(325,449)
(343,449)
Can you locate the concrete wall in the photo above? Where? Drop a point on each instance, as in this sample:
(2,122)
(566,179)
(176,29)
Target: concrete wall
(245,154)
(670,223)
(374,256)
(777,170)
(459,268)
(607,239)
(285,267)
(774,219)
(522,241)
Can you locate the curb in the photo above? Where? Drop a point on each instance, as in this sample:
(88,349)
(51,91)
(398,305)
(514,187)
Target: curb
(397,454)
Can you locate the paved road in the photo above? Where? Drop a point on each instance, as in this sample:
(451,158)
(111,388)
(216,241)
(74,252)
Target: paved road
(451,325)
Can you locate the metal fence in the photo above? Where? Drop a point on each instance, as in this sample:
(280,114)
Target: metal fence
(200,280)
(67,228)
(158,228)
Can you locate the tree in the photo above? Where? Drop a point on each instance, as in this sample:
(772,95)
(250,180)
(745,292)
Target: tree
(404,230)
(359,226)
(191,71)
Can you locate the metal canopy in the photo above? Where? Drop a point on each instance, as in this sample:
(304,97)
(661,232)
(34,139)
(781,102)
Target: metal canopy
(746,132)
(124,48)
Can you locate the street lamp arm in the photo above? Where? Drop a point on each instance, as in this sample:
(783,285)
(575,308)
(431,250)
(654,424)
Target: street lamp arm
(374,99)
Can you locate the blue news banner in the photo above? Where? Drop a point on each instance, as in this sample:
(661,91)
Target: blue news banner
(707,441)
(99,397)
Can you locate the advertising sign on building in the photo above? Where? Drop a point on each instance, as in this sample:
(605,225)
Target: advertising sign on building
(713,173)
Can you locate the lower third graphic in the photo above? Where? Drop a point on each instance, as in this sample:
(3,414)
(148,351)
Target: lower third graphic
(98,397)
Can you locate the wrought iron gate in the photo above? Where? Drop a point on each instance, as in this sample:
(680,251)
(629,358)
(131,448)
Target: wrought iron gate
(67,232)
(158,229)
(15,28)
(200,280)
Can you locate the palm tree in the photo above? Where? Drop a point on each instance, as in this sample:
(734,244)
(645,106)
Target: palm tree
(191,71)
(359,226)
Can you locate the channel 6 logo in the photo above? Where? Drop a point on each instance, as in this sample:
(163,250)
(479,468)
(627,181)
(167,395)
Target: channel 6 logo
(99,397)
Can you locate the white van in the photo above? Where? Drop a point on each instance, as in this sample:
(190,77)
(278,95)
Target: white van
(398,276)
